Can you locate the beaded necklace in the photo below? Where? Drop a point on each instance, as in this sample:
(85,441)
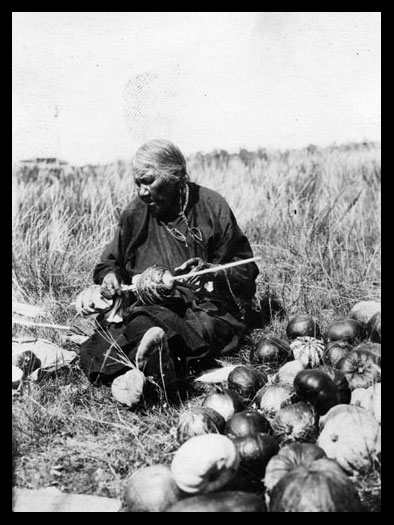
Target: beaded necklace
(194,233)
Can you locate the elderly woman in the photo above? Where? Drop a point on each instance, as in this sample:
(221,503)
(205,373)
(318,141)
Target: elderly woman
(172,227)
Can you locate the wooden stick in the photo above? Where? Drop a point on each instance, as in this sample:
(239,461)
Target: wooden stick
(213,269)
(42,325)
(217,268)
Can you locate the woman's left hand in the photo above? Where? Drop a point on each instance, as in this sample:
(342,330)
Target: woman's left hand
(193,265)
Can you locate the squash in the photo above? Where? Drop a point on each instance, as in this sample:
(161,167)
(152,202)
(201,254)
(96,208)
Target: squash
(322,486)
(369,398)
(351,435)
(225,501)
(335,351)
(199,420)
(151,489)
(205,463)
(246,380)
(316,387)
(296,422)
(341,382)
(272,397)
(374,328)
(128,388)
(225,401)
(302,326)
(255,451)
(361,368)
(289,457)
(308,350)
(348,330)
(246,423)
(271,349)
(286,373)
(364,310)
(374,348)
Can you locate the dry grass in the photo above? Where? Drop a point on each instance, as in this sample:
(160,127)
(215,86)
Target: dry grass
(314,217)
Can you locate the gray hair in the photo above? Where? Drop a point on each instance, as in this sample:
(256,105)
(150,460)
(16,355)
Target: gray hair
(160,158)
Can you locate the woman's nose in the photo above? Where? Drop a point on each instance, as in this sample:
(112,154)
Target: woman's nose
(144,190)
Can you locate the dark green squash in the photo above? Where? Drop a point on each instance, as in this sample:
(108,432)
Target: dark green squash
(255,451)
(245,423)
(246,380)
(317,388)
(302,326)
(348,330)
(271,349)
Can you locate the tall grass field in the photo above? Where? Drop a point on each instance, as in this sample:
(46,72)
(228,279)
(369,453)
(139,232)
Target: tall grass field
(312,214)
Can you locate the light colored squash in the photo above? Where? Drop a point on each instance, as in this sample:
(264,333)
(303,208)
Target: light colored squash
(369,398)
(351,435)
(287,372)
(205,463)
(152,489)
(364,310)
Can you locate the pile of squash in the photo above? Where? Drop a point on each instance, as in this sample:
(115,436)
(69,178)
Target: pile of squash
(290,441)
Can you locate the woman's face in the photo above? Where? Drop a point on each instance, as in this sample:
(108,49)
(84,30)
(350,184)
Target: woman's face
(160,195)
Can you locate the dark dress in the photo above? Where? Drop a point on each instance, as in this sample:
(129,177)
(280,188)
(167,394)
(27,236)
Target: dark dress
(196,323)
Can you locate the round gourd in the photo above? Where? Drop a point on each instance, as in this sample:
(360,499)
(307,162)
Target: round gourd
(308,350)
(302,326)
(317,388)
(364,310)
(271,349)
(225,401)
(341,382)
(361,368)
(151,489)
(272,397)
(255,451)
(197,421)
(322,486)
(247,422)
(335,351)
(128,388)
(297,422)
(246,380)
(288,371)
(205,463)
(374,328)
(289,457)
(228,501)
(351,435)
(369,398)
(344,330)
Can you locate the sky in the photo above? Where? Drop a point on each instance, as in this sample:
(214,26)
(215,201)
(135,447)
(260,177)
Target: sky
(90,87)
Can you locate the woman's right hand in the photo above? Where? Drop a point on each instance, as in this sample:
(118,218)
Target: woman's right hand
(91,301)
(110,286)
